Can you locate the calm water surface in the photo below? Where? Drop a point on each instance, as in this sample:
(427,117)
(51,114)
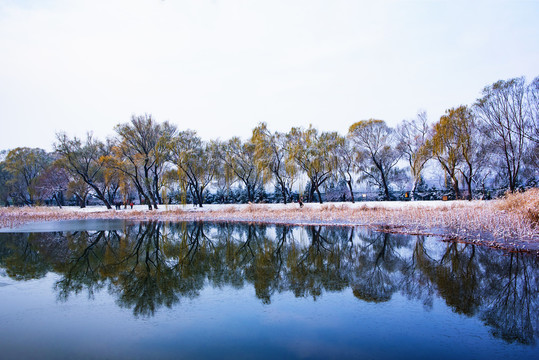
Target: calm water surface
(115,289)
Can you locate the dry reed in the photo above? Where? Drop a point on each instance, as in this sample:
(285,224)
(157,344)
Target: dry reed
(524,203)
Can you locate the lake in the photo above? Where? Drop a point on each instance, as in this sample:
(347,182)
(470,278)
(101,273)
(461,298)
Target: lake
(120,289)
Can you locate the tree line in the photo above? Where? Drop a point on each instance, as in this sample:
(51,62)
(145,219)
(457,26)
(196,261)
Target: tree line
(491,144)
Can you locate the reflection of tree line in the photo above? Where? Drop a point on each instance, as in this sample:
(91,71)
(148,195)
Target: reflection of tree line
(151,265)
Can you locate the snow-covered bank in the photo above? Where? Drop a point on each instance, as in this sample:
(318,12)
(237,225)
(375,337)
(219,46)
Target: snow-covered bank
(471,221)
(290,206)
(221,207)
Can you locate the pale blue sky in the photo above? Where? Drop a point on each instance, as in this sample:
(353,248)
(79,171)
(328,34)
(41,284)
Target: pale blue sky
(221,67)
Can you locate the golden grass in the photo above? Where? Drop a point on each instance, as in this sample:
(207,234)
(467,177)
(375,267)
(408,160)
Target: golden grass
(524,203)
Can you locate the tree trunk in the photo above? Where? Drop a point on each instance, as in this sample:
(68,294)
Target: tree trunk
(156,189)
(469,183)
(152,200)
(311,193)
(55,196)
(82,201)
(199,196)
(319,195)
(384,181)
(144,198)
(386,188)
(283,191)
(512,182)
(414,188)
(147,199)
(456,188)
(101,196)
(351,191)
(249,195)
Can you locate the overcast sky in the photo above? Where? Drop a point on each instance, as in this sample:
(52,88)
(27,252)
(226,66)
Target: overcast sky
(221,67)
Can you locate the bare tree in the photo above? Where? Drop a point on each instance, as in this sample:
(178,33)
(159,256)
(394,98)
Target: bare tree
(141,154)
(238,158)
(348,162)
(379,142)
(197,162)
(85,161)
(412,136)
(531,159)
(52,182)
(505,120)
(271,158)
(314,154)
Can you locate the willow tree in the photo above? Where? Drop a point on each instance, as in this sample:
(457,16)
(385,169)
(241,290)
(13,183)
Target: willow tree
(349,162)
(472,146)
(314,154)
(25,165)
(454,145)
(141,153)
(197,162)
(271,158)
(412,137)
(85,161)
(504,116)
(378,142)
(238,159)
(79,189)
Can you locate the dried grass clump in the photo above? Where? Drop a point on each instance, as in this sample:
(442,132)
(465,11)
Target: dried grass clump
(250,208)
(366,208)
(138,213)
(524,203)
(228,209)
(332,207)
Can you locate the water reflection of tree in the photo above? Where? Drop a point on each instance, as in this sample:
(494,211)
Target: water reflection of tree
(21,260)
(512,294)
(379,260)
(416,282)
(226,266)
(83,270)
(455,275)
(137,266)
(263,269)
(146,280)
(151,265)
(317,267)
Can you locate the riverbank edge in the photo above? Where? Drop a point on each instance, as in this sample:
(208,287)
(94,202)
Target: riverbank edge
(477,222)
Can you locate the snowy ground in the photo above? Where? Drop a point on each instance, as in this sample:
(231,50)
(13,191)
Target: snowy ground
(436,204)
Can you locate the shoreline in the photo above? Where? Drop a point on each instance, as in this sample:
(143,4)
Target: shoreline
(473,222)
